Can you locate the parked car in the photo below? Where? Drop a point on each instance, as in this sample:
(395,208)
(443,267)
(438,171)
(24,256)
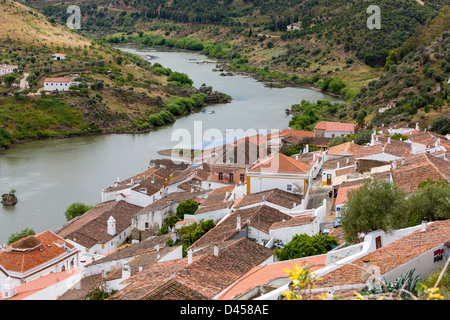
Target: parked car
(337,222)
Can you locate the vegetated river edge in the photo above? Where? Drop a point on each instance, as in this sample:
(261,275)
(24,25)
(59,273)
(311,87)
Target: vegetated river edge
(49,175)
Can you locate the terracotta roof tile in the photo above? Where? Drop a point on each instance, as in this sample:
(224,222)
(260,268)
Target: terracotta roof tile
(91,227)
(261,217)
(31,252)
(391,255)
(281,163)
(335,126)
(207,275)
(260,275)
(276,196)
(347,148)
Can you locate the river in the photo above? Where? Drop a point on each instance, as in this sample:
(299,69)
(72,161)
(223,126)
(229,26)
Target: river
(49,175)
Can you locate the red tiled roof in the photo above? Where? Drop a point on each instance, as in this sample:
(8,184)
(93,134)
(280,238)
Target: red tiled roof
(260,275)
(334,126)
(342,195)
(276,196)
(391,255)
(418,168)
(57,80)
(207,275)
(42,250)
(260,217)
(281,163)
(345,148)
(27,289)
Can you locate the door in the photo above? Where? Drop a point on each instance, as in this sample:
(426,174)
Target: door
(329,179)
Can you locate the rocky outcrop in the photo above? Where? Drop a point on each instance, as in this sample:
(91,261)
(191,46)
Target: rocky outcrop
(9,199)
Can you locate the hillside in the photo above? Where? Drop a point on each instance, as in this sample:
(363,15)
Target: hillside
(332,49)
(414,88)
(117,91)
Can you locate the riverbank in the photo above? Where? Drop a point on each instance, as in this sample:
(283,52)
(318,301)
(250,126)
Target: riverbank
(229,61)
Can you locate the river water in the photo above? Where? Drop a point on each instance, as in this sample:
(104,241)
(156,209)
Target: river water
(49,175)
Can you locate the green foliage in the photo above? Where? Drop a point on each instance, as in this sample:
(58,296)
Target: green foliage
(191,233)
(406,282)
(19,235)
(188,206)
(98,293)
(429,202)
(374,205)
(180,78)
(160,70)
(156,119)
(303,245)
(76,209)
(441,125)
(381,205)
(289,151)
(311,113)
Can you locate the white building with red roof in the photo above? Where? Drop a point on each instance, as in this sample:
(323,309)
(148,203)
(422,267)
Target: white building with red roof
(57,84)
(330,129)
(59,56)
(35,256)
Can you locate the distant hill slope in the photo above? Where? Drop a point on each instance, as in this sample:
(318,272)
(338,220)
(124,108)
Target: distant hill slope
(415,86)
(117,91)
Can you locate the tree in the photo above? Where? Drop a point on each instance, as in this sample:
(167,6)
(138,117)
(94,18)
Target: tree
(9,80)
(374,205)
(76,209)
(303,245)
(429,202)
(19,235)
(191,233)
(441,125)
(188,206)
(180,78)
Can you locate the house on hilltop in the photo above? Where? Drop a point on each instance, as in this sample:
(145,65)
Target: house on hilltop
(329,129)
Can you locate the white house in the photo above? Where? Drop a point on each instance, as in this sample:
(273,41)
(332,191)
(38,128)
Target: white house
(5,69)
(35,256)
(153,215)
(330,129)
(58,56)
(422,248)
(101,229)
(57,84)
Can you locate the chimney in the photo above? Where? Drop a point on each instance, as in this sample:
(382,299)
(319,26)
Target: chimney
(337,165)
(394,164)
(126,271)
(216,250)
(424,225)
(417,126)
(238,223)
(389,139)
(189,254)
(365,272)
(111,229)
(8,289)
(403,161)
(157,247)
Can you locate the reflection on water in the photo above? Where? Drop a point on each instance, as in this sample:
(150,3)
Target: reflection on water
(49,175)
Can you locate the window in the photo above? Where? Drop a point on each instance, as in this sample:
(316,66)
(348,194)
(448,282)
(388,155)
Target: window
(146,225)
(289,187)
(242,177)
(231,177)
(220,176)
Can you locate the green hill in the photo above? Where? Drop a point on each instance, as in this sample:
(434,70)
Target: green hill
(117,91)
